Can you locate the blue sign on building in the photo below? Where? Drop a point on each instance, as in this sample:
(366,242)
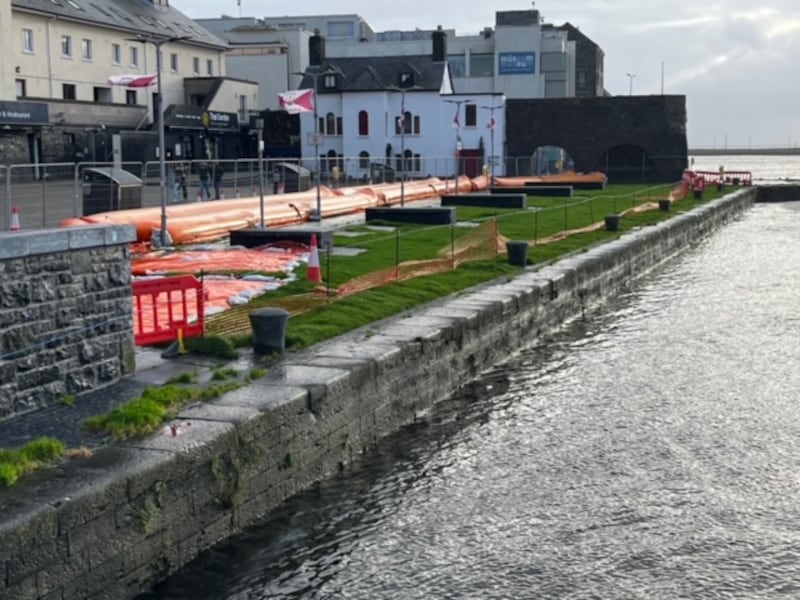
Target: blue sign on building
(517,63)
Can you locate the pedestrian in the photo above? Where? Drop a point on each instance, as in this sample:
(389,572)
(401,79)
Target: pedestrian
(179,182)
(203,173)
(219,171)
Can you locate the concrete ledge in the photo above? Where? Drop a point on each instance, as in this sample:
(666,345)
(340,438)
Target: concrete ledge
(113,524)
(493,200)
(31,242)
(578,185)
(423,216)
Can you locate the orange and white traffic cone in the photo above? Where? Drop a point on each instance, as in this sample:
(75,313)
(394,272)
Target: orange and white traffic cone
(199,196)
(314,273)
(222,194)
(14,219)
(281,187)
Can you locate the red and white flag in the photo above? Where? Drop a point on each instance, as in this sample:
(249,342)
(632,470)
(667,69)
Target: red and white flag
(297,101)
(133,81)
(456,122)
(491,124)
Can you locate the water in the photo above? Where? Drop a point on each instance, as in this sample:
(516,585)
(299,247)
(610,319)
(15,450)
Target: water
(765,168)
(651,451)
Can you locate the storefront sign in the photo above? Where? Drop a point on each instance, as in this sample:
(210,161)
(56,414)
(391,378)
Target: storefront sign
(190,117)
(517,63)
(23,113)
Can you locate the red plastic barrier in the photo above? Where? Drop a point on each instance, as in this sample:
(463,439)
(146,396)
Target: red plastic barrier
(715,177)
(167,309)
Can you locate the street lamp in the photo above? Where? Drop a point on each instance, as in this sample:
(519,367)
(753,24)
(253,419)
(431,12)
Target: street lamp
(316,142)
(630,83)
(492,125)
(459,146)
(158,42)
(403,124)
(259,125)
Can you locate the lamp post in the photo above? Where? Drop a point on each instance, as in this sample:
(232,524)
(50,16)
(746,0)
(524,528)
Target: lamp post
(403,125)
(459,145)
(492,125)
(630,83)
(316,142)
(158,42)
(259,124)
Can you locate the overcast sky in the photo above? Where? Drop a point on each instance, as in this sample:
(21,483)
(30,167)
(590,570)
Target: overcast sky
(736,61)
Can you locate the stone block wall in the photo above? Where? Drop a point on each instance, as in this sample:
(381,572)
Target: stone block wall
(136,511)
(65,313)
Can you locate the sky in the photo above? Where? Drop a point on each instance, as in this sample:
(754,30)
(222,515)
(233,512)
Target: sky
(736,61)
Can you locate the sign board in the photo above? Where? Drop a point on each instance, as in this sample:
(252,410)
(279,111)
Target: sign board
(516,63)
(192,117)
(24,113)
(315,139)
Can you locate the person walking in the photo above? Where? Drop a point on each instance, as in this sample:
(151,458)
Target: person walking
(204,173)
(219,171)
(179,182)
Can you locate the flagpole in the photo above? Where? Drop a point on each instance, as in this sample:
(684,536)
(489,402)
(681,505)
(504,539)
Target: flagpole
(457,127)
(492,125)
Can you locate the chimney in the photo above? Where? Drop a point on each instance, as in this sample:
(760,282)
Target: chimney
(439,45)
(316,49)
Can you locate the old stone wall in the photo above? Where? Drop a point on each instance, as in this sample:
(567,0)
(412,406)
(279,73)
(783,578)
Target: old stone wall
(136,511)
(65,313)
(588,128)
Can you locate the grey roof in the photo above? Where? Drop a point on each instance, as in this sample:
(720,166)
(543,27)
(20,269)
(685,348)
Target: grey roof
(369,74)
(133,16)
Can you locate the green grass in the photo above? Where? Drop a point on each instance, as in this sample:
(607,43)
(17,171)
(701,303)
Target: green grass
(30,457)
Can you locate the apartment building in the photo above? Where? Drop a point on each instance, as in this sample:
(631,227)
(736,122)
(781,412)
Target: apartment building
(58,103)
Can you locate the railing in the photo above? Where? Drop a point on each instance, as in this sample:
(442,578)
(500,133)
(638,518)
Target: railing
(48,194)
(167,309)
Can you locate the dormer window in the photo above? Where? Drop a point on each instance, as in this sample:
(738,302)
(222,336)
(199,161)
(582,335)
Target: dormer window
(406,80)
(329,82)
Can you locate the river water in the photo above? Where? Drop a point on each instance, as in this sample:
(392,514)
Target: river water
(649,451)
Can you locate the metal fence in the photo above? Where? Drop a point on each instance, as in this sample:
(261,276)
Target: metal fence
(45,195)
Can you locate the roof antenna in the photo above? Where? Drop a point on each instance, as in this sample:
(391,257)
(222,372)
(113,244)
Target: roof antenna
(239,4)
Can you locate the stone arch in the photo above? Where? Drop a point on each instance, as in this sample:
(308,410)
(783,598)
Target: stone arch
(626,162)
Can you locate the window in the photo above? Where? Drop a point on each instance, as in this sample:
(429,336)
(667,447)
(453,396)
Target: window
(86,49)
(116,54)
(66,46)
(130,97)
(103,94)
(481,65)
(363,123)
(210,67)
(330,81)
(470,115)
(457,65)
(27,40)
(68,91)
(363,160)
(19,84)
(173,62)
(408,124)
(330,124)
(196,65)
(134,56)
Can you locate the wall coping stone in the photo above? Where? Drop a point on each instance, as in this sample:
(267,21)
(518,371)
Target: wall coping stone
(32,242)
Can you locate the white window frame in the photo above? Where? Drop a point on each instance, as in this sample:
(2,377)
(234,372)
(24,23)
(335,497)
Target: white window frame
(210,67)
(173,62)
(134,56)
(66,46)
(116,54)
(196,65)
(87,49)
(28,45)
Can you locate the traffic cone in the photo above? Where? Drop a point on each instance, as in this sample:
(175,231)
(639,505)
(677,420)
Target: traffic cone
(222,194)
(14,219)
(281,187)
(237,192)
(199,196)
(314,273)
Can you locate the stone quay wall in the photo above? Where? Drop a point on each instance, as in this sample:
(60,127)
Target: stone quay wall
(112,525)
(66,322)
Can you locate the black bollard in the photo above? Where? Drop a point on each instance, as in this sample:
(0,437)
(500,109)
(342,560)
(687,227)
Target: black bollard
(698,194)
(612,222)
(663,205)
(269,330)
(517,252)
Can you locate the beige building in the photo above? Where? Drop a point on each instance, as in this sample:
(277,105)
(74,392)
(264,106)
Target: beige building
(57,102)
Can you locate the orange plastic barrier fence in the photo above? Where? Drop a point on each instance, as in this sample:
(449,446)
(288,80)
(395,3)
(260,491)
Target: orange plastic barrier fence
(167,309)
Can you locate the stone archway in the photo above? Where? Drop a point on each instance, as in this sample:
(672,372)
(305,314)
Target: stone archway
(626,162)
